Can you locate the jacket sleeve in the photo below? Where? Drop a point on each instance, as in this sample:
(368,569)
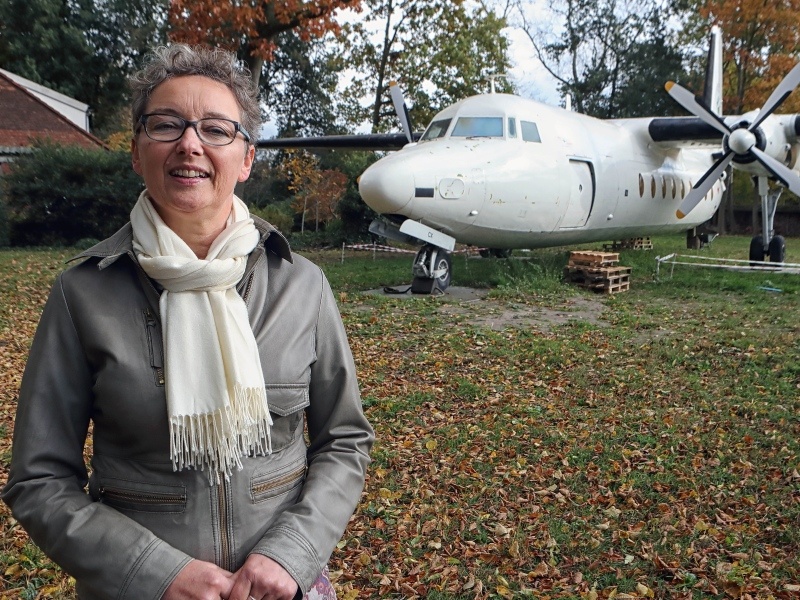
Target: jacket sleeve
(304,536)
(109,554)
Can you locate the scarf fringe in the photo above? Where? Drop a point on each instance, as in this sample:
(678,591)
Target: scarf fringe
(219,439)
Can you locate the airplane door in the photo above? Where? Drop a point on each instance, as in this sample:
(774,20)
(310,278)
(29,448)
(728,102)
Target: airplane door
(581,196)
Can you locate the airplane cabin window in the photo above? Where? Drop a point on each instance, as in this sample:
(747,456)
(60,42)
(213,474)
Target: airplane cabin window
(530,133)
(641,186)
(512,128)
(478,127)
(436,129)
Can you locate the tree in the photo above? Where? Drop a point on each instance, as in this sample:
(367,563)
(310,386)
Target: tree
(299,85)
(85,49)
(440,50)
(251,27)
(317,192)
(41,40)
(119,33)
(760,42)
(611,56)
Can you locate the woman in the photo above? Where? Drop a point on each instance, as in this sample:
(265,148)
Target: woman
(195,342)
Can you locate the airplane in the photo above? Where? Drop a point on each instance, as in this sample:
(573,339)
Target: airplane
(501,172)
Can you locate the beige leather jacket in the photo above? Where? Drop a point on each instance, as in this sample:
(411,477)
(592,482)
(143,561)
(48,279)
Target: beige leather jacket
(97,357)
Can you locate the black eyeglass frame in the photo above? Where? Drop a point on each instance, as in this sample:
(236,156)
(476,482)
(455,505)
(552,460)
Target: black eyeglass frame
(193,124)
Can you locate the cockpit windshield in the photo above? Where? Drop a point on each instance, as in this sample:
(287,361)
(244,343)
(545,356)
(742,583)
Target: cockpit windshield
(478,127)
(436,129)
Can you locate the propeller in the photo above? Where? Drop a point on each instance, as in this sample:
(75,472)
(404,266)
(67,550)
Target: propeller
(401,109)
(740,141)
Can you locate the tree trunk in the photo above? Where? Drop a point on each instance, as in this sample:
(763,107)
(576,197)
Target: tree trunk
(257,64)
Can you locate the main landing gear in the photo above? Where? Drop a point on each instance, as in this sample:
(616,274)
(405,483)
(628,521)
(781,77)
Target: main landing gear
(432,270)
(767,245)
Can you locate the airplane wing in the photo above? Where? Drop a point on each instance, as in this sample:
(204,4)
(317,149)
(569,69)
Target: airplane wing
(375,141)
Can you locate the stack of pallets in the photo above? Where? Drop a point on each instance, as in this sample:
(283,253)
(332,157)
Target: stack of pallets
(640,243)
(598,271)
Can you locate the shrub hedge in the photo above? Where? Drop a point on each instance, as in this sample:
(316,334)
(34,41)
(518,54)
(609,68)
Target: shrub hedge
(59,195)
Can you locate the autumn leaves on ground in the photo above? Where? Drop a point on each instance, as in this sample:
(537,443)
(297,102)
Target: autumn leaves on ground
(652,453)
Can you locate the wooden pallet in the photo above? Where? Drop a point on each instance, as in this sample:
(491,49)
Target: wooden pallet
(609,280)
(593,259)
(640,243)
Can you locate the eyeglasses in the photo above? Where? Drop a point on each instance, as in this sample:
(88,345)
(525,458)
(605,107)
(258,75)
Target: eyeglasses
(213,131)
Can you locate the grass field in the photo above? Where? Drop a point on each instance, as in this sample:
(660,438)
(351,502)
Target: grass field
(647,448)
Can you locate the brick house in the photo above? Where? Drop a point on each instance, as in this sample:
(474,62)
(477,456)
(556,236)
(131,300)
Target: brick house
(26,117)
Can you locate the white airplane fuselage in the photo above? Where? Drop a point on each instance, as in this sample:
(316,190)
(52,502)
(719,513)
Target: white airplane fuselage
(584,180)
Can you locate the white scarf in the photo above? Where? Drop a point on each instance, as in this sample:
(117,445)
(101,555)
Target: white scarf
(216,398)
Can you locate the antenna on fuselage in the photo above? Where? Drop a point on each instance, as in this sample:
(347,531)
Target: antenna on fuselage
(492,78)
(568,102)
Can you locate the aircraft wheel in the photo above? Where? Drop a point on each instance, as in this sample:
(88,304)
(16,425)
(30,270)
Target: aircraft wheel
(445,264)
(502,252)
(777,249)
(756,251)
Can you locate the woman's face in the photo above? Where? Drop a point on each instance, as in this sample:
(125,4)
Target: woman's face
(188,179)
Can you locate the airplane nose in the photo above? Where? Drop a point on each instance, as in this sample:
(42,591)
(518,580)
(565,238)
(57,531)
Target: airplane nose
(385,188)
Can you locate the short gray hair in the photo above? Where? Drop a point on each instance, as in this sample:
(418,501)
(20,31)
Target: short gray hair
(178,60)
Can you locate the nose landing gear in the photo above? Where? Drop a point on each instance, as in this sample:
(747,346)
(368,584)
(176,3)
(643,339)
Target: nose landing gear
(432,270)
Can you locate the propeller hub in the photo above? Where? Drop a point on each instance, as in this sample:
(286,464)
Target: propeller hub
(741,141)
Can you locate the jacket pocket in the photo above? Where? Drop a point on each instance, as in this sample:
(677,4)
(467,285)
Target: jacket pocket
(286,403)
(142,497)
(265,486)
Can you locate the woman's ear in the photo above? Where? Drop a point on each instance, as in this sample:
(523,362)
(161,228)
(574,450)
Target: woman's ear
(135,162)
(247,165)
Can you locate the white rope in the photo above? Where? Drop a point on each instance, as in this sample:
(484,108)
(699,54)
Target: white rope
(733,264)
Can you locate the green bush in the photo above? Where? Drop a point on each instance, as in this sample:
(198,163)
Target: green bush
(58,195)
(3,217)
(279,215)
(332,235)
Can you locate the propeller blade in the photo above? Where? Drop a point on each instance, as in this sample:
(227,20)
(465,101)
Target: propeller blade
(702,187)
(778,95)
(696,106)
(781,172)
(401,109)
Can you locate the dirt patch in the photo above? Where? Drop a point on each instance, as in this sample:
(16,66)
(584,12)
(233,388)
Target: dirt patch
(498,316)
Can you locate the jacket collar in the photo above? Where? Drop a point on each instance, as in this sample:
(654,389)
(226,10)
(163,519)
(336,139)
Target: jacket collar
(121,243)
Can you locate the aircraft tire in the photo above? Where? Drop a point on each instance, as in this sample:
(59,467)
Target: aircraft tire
(443,261)
(756,251)
(777,249)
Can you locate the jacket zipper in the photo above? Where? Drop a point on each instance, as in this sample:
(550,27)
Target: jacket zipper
(141,497)
(225,542)
(281,481)
(151,322)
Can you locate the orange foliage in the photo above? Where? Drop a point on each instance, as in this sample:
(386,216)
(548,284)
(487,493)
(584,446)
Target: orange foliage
(251,25)
(317,192)
(762,38)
